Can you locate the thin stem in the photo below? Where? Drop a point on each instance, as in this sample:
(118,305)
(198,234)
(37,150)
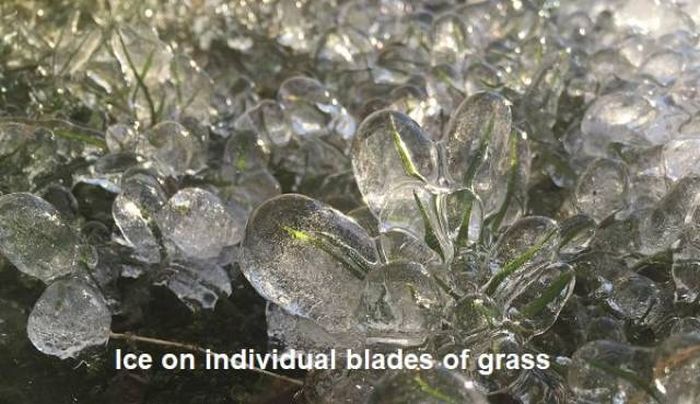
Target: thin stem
(194,348)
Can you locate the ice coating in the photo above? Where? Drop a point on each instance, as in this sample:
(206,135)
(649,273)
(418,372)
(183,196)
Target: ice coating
(70,316)
(295,247)
(36,239)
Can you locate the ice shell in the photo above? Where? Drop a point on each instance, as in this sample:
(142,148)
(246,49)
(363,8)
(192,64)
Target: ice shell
(664,224)
(307,258)
(400,303)
(431,386)
(173,147)
(288,331)
(135,226)
(607,371)
(199,224)
(602,189)
(36,239)
(536,298)
(677,360)
(198,284)
(389,148)
(478,131)
(70,316)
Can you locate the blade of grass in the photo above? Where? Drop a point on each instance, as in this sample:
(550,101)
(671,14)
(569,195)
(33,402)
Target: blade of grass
(139,78)
(430,237)
(463,234)
(536,306)
(627,376)
(478,158)
(404,154)
(512,265)
(497,218)
(338,251)
(432,391)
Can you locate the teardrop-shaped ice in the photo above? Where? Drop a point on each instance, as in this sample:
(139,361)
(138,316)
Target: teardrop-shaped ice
(135,225)
(311,110)
(602,189)
(197,284)
(267,120)
(475,313)
(390,148)
(288,331)
(70,316)
(606,372)
(199,224)
(36,239)
(677,360)
(478,130)
(434,385)
(307,258)
(175,149)
(400,304)
(664,224)
(536,298)
(680,158)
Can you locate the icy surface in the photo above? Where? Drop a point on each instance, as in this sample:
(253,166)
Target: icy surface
(70,316)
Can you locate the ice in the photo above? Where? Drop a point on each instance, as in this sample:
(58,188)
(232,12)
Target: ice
(663,225)
(311,110)
(533,239)
(70,315)
(449,38)
(199,224)
(639,300)
(267,120)
(390,148)
(652,17)
(606,328)
(475,313)
(307,258)
(686,272)
(293,332)
(174,148)
(244,152)
(400,304)
(685,325)
(664,66)
(397,63)
(602,189)
(36,239)
(402,245)
(676,363)
(135,226)
(615,118)
(121,138)
(343,48)
(248,190)
(340,386)
(140,52)
(197,284)
(134,212)
(608,371)
(680,158)
(431,386)
(478,147)
(464,213)
(576,234)
(365,218)
(535,298)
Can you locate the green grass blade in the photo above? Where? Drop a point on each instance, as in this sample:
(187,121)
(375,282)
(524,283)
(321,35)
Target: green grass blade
(550,293)
(404,155)
(517,262)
